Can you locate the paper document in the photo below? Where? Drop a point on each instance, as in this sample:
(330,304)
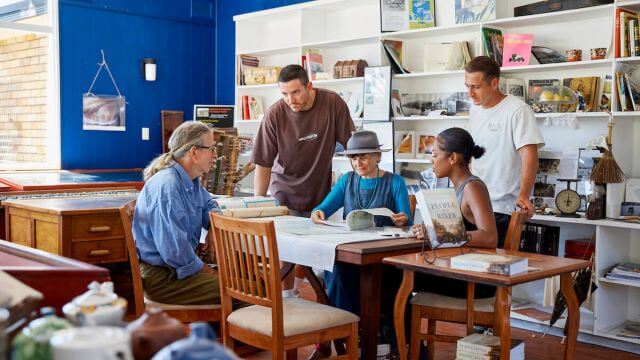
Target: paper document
(359,219)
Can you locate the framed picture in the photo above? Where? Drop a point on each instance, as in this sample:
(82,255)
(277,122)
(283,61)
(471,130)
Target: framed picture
(424,145)
(544,55)
(405,144)
(471,11)
(394,15)
(217,116)
(170,121)
(377,93)
(103,112)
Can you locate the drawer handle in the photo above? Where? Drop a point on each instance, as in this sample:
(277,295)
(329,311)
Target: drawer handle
(96,229)
(103,252)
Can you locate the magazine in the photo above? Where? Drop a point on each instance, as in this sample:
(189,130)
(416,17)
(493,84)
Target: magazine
(517,49)
(360,219)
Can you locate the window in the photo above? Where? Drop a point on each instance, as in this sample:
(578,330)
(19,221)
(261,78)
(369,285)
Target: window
(29,85)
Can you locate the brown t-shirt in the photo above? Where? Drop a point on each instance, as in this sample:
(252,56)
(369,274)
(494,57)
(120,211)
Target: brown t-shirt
(298,147)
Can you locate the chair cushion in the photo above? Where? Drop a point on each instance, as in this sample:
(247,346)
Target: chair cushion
(446,302)
(163,306)
(299,315)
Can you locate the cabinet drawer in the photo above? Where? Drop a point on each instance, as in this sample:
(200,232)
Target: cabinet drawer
(99,251)
(91,226)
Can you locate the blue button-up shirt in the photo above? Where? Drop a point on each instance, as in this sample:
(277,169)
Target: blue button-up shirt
(170,213)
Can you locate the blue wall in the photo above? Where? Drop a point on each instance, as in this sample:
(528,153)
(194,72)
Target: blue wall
(225,41)
(179,34)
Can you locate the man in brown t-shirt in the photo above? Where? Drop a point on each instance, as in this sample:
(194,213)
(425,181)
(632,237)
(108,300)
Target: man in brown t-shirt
(294,147)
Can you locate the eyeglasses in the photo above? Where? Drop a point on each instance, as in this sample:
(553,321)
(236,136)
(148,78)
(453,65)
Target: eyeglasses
(210,148)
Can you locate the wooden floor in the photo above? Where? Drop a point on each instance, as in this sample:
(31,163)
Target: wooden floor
(536,347)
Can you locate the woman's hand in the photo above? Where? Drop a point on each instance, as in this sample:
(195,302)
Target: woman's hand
(317,216)
(399,219)
(418,231)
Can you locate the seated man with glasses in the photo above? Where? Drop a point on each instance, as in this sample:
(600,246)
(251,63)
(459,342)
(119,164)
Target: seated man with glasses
(170,213)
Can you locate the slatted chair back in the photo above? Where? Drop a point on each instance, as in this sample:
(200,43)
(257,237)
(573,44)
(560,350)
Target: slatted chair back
(245,272)
(514,231)
(412,206)
(126,214)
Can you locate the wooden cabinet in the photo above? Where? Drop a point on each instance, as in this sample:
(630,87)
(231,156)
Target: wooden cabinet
(86,229)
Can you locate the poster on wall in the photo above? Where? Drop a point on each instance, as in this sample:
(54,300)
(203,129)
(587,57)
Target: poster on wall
(218,116)
(103,112)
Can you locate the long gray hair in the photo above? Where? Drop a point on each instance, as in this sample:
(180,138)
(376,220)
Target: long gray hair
(186,136)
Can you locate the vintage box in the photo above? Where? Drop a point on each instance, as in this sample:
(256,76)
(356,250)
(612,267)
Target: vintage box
(542,7)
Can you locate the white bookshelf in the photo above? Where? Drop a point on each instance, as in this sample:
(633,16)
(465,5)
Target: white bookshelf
(350,29)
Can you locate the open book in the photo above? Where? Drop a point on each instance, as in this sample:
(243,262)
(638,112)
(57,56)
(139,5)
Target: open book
(360,219)
(442,217)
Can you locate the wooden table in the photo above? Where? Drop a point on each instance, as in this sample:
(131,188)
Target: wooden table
(546,266)
(368,255)
(72,179)
(58,279)
(84,228)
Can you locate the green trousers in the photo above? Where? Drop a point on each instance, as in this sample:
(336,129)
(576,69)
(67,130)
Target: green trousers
(161,284)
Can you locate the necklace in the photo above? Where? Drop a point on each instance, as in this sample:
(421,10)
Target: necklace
(373,194)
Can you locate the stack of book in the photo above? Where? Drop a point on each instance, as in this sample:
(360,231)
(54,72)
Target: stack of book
(486,347)
(628,273)
(491,263)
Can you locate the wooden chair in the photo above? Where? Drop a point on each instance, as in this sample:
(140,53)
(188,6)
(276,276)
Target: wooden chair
(412,206)
(184,313)
(271,323)
(435,307)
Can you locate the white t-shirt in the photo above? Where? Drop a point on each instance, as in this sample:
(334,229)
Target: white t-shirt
(502,130)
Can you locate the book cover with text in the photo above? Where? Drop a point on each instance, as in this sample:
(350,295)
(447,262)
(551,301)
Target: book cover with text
(442,217)
(517,49)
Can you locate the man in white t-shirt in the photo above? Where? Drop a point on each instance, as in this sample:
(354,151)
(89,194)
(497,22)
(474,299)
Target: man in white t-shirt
(506,127)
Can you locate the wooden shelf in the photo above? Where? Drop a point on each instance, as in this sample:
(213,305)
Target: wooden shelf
(338,81)
(414,161)
(611,333)
(585,64)
(553,17)
(432,31)
(256,87)
(622,283)
(358,40)
(578,114)
(271,51)
(429,74)
(583,221)
(628,59)
(427,118)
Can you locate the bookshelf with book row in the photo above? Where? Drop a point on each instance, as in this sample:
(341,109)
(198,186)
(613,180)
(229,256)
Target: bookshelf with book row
(347,30)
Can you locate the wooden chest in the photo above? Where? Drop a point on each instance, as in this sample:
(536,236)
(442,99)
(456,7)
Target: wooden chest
(85,229)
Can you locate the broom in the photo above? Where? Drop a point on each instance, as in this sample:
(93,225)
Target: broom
(606,170)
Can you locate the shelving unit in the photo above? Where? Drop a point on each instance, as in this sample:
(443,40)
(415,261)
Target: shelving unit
(350,29)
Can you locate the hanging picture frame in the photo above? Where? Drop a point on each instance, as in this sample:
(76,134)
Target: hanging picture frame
(377,93)
(103,112)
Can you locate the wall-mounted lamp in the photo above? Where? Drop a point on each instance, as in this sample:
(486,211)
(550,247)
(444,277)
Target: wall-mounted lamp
(149,69)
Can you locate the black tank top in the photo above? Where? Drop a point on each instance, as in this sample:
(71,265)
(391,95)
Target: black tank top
(467,225)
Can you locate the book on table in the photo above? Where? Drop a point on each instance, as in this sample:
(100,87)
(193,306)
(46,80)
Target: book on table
(251,207)
(360,219)
(481,347)
(490,263)
(442,218)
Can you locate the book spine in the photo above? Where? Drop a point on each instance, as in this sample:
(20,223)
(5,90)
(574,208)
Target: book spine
(632,36)
(469,265)
(245,107)
(475,348)
(636,39)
